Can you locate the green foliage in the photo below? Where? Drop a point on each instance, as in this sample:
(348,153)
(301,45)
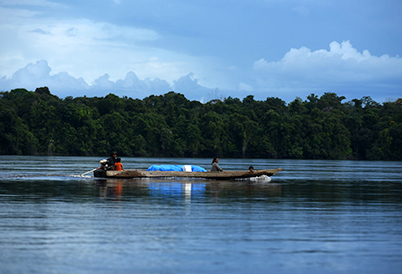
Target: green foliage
(169,125)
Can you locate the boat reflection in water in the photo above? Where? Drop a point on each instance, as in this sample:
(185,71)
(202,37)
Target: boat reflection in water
(186,189)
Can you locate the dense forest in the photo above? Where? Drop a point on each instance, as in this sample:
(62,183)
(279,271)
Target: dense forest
(169,125)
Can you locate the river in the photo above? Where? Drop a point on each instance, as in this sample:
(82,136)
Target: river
(313,217)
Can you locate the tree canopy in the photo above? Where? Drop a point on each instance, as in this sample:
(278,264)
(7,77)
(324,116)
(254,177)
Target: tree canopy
(169,125)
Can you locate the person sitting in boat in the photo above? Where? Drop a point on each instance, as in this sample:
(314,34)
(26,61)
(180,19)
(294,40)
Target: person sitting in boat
(215,167)
(111,160)
(251,168)
(118,165)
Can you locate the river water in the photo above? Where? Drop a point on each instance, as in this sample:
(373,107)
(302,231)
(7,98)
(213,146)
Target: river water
(313,217)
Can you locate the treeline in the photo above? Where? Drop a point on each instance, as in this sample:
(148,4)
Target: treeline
(169,125)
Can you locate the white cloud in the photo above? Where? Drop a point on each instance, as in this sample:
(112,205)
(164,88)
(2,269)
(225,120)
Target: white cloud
(37,75)
(131,86)
(62,84)
(188,84)
(87,49)
(342,67)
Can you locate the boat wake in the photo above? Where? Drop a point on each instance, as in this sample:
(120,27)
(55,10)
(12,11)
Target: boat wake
(261,179)
(81,176)
(257,179)
(45,176)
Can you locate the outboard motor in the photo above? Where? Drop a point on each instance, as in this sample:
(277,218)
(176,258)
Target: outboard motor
(101,172)
(104,164)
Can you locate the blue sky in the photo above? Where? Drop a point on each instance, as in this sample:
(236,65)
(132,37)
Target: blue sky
(203,49)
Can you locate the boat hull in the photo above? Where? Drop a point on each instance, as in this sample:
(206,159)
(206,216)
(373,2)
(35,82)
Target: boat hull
(225,175)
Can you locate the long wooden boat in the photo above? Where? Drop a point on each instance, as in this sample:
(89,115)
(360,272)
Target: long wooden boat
(225,175)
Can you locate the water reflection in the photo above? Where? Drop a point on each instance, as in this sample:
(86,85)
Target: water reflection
(184,189)
(111,189)
(314,217)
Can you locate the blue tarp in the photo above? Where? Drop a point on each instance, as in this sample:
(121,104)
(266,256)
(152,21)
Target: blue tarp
(175,168)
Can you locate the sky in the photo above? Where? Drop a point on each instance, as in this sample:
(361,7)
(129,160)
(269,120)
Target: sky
(210,49)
